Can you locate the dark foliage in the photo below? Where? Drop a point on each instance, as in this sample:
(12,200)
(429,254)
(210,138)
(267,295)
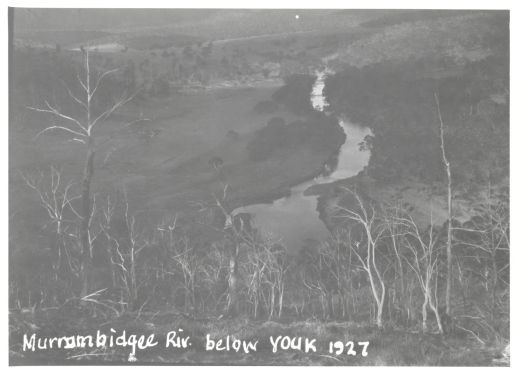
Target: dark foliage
(295,94)
(316,133)
(397,102)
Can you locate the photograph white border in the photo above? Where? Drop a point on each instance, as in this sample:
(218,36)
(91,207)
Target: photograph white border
(517,151)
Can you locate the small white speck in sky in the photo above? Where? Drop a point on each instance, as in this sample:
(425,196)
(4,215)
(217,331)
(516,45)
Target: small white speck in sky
(297,17)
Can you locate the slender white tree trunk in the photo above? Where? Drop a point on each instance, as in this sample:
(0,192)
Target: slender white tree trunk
(449,210)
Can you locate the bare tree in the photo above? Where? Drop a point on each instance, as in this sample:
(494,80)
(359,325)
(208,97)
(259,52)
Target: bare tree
(265,270)
(446,164)
(395,232)
(337,269)
(81,129)
(234,230)
(423,261)
(373,229)
(124,254)
(185,257)
(487,235)
(57,198)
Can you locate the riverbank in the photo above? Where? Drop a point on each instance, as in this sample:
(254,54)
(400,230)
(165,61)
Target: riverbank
(246,83)
(406,167)
(279,217)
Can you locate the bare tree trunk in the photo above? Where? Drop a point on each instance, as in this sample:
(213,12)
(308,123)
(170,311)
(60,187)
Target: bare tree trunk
(427,303)
(437,315)
(404,300)
(424,313)
(449,245)
(281,295)
(380,305)
(449,210)
(85,263)
(272,302)
(133,281)
(379,295)
(494,286)
(380,299)
(370,266)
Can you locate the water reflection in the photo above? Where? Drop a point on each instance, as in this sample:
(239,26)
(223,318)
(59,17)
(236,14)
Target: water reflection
(295,219)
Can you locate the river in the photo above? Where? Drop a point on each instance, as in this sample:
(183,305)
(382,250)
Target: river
(294,219)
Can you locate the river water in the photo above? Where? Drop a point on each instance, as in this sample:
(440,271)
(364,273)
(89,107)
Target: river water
(295,219)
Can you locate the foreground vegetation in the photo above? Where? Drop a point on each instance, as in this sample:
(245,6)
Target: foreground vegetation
(389,347)
(379,270)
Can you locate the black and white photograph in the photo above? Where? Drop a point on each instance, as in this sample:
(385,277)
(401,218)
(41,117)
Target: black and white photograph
(258,187)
